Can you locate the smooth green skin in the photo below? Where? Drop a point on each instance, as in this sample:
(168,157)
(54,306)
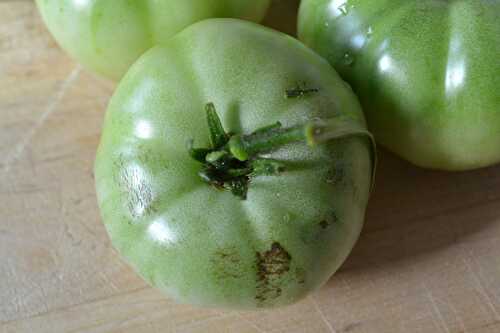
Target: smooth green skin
(199,244)
(427,73)
(107,36)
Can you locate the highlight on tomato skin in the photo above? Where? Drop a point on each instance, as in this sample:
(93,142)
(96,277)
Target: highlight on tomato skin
(234,167)
(108,36)
(423,70)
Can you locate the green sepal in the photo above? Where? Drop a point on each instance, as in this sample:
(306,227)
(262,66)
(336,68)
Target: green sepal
(218,136)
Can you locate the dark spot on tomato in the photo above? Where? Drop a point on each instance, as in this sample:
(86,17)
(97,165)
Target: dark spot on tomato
(326,223)
(336,175)
(272,265)
(146,155)
(300,275)
(228,255)
(226,264)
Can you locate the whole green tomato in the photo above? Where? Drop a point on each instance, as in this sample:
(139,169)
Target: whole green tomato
(234,167)
(107,36)
(427,73)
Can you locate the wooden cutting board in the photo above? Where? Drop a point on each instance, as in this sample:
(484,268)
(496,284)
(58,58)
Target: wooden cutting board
(428,259)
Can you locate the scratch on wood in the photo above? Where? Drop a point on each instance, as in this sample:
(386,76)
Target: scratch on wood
(62,310)
(436,309)
(346,283)
(43,300)
(322,314)
(155,328)
(51,107)
(481,289)
(17,301)
(108,281)
(200,323)
(257,328)
(459,318)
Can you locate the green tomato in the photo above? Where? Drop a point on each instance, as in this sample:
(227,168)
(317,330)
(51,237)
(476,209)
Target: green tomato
(108,36)
(291,215)
(427,73)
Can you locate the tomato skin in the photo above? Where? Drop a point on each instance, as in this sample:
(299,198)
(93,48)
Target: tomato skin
(206,246)
(108,36)
(426,73)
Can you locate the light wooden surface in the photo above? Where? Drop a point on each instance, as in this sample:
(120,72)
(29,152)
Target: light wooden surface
(428,259)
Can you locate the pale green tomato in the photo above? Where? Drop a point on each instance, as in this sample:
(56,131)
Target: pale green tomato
(427,73)
(107,36)
(197,241)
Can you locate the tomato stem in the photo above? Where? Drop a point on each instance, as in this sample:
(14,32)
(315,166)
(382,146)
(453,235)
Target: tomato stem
(234,159)
(244,147)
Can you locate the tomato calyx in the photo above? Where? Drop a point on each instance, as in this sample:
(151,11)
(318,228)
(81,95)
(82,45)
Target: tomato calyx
(234,159)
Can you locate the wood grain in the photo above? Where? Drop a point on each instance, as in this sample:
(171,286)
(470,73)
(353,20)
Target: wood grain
(428,259)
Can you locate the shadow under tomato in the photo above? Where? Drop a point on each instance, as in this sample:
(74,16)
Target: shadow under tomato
(415,212)
(282,16)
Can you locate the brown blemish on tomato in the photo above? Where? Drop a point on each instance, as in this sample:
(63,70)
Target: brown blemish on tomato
(272,265)
(327,222)
(226,264)
(300,275)
(324,224)
(336,175)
